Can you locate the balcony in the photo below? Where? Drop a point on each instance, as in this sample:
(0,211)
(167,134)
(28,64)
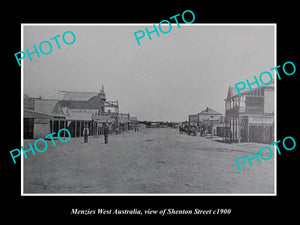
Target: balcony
(254,104)
(250,104)
(254,109)
(235,111)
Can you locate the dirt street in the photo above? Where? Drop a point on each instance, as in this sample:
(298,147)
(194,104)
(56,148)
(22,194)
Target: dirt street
(153,160)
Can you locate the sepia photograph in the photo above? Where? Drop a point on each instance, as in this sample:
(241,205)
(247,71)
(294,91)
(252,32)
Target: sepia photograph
(103,114)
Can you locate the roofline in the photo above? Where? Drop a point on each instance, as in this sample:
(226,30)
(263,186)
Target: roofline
(46,114)
(244,91)
(217,113)
(81,91)
(44,99)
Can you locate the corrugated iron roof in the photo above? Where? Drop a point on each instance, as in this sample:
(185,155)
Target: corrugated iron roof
(76,95)
(77,104)
(44,105)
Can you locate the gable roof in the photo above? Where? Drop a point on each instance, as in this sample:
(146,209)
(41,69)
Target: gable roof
(45,106)
(209,111)
(231,92)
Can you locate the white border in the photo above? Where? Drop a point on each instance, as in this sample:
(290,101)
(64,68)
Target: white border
(275,112)
(149,24)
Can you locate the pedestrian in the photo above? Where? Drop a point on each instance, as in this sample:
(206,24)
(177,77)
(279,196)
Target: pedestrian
(105,131)
(85,133)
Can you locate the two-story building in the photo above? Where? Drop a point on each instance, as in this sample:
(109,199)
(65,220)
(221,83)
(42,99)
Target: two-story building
(194,120)
(208,119)
(250,117)
(72,110)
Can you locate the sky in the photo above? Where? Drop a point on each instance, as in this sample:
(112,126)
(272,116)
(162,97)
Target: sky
(163,79)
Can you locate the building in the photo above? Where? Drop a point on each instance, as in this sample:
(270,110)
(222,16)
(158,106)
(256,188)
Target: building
(194,120)
(249,117)
(124,121)
(39,120)
(133,123)
(209,114)
(207,120)
(72,110)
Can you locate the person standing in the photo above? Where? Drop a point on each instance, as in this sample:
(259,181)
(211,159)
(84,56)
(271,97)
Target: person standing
(85,134)
(105,132)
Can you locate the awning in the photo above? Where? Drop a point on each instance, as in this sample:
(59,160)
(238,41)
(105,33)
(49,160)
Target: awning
(39,115)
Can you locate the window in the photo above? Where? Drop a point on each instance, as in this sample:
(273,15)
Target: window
(254,101)
(227,105)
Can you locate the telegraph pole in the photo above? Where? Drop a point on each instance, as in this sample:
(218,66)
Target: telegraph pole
(117,119)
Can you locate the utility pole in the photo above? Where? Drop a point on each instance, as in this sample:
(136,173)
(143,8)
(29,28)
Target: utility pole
(117,118)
